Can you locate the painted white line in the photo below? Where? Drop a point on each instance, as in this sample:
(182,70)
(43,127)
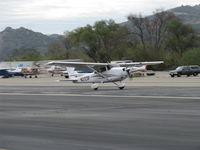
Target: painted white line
(108,96)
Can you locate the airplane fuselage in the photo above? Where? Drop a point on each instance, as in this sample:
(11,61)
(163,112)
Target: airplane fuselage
(112,75)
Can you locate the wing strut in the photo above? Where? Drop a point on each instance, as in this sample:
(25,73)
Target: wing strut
(103,76)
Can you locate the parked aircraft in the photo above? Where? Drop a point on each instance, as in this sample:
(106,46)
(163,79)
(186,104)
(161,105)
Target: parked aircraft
(6,73)
(20,70)
(56,70)
(100,72)
(30,72)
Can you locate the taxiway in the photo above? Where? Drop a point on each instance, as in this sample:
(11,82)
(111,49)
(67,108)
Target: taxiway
(48,116)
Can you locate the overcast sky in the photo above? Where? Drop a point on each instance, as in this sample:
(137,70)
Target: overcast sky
(57,16)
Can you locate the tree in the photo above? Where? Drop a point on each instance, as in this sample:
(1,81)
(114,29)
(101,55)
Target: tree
(180,36)
(25,55)
(85,38)
(161,18)
(31,55)
(100,41)
(137,53)
(191,57)
(56,51)
(138,29)
(151,30)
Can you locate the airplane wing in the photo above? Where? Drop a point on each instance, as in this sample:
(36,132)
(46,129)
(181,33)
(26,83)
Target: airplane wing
(93,66)
(4,69)
(79,65)
(140,63)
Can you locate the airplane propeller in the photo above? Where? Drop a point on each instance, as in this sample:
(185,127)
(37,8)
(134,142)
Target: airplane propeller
(128,72)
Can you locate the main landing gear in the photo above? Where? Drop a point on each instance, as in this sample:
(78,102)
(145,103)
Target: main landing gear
(120,85)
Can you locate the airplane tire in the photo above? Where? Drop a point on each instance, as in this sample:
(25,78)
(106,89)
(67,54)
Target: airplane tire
(121,88)
(95,86)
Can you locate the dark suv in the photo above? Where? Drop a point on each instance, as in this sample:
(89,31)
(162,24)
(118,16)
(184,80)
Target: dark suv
(185,70)
(195,69)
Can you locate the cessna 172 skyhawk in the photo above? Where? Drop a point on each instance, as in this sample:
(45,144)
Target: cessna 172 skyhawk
(100,72)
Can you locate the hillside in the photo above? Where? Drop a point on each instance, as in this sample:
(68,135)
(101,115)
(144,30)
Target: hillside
(11,39)
(189,15)
(22,38)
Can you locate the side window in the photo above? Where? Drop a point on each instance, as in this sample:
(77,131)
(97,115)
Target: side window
(102,69)
(194,67)
(186,68)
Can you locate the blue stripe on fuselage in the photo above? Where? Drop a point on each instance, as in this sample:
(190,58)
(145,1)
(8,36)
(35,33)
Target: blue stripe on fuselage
(85,72)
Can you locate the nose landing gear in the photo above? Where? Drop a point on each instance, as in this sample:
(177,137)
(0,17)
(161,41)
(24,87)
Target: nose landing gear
(95,86)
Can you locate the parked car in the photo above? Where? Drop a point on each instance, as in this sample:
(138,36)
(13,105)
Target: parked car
(185,70)
(195,69)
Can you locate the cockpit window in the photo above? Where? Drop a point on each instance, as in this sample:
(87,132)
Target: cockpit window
(108,67)
(101,69)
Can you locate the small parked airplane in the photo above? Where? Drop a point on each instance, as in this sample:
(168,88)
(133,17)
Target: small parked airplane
(6,73)
(20,70)
(56,70)
(100,72)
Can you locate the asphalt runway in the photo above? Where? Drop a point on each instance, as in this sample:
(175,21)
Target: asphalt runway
(78,118)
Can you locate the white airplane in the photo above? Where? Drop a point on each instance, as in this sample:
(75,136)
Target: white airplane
(100,72)
(55,70)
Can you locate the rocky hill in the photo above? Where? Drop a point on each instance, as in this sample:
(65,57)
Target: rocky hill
(23,38)
(189,15)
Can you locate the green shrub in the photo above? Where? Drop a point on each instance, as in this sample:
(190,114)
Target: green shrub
(191,57)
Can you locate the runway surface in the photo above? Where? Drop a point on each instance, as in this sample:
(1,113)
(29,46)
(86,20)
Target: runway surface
(78,118)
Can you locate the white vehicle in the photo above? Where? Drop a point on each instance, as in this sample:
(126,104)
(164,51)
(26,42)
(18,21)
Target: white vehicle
(100,72)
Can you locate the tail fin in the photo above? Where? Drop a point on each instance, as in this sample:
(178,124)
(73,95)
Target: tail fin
(143,68)
(53,67)
(20,66)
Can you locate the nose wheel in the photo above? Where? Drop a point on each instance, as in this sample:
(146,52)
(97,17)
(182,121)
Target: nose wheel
(95,86)
(121,87)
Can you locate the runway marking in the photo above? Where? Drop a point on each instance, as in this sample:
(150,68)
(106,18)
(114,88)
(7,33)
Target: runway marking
(108,96)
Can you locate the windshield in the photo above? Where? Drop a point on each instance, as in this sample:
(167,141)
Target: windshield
(179,68)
